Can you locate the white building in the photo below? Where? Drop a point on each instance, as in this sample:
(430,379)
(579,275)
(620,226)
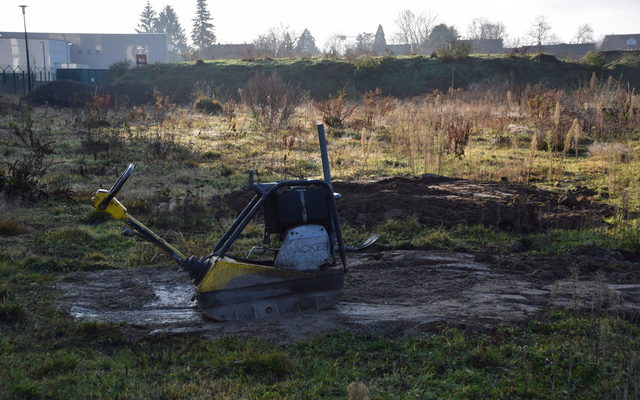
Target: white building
(80,50)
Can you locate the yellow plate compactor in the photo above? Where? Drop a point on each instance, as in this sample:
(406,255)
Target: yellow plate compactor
(303,275)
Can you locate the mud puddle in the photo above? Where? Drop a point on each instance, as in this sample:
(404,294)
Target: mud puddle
(391,293)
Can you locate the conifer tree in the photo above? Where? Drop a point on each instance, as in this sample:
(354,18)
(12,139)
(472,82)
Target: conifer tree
(379,41)
(202,33)
(306,45)
(168,23)
(147,19)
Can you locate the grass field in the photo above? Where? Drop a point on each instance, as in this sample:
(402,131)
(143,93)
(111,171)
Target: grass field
(54,158)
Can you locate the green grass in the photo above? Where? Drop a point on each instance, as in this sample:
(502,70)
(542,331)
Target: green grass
(562,357)
(396,76)
(190,161)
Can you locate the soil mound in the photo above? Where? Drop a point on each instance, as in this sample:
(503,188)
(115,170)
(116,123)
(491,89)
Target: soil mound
(440,201)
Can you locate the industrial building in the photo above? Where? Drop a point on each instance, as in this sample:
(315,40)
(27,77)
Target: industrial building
(81,50)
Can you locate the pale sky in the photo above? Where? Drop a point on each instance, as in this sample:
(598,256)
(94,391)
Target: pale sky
(243,20)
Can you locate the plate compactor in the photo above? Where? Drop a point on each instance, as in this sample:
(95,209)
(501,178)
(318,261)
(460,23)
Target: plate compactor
(303,275)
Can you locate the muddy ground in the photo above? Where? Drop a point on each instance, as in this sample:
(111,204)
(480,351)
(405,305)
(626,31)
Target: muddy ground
(402,292)
(440,201)
(393,293)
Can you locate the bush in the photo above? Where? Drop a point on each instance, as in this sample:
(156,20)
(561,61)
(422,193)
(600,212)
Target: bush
(207,105)
(542,57)
(119,68)
(595,59)
(335,110)
(271,100)
(9,227)
(453,51)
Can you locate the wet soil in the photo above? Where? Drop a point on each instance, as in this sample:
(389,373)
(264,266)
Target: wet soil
(440,201)
(393,293)
(402,292)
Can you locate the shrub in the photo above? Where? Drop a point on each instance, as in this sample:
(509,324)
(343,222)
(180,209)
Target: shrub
(335,110)
(162,106)
(366,62)
(375,106)
(207,105)
(119,68)
(595,59)
(453,51)
(458,132)
(96,110)
(10,227)
(615,152)
(271,100)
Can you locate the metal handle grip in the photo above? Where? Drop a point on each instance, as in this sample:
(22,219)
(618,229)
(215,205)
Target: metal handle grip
(117,186)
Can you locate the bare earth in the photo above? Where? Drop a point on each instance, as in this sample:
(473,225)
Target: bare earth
(401,292)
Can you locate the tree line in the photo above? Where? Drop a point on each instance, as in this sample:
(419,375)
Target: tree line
(166,21)
(418,30)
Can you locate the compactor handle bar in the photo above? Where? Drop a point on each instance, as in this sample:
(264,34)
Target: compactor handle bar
(117,186)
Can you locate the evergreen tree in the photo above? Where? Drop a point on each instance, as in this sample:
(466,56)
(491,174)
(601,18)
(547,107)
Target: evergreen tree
(441,36)
(306,45)
(379,41)
(168,23)
(202,33)
(147,22)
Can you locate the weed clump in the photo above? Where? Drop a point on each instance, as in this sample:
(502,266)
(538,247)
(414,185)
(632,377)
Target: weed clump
(95,217)
(207,105)
(614,152)
(335,110)
(46,264)
(11,227)
(263,366)
(11,311)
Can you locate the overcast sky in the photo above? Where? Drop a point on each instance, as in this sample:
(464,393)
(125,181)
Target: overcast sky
(241,21)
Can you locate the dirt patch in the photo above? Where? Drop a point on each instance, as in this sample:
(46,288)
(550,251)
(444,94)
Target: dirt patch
(391,293)
(439,201)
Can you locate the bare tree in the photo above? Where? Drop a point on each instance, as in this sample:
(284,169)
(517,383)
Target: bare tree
(540,32)
(584,34)
(335,44)
(277,42)
(364,43)
(266,45)
(415,28)
(483,29)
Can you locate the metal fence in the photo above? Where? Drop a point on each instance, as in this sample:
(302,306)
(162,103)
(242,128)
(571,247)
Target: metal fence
(15,80)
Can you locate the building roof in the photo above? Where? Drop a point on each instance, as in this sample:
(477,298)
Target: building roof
(621,42)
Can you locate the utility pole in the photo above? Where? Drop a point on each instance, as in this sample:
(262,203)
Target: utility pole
(26,43)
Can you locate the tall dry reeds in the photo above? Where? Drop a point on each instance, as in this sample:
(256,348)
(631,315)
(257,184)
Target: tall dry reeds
(433,131)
